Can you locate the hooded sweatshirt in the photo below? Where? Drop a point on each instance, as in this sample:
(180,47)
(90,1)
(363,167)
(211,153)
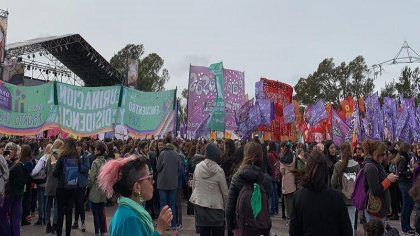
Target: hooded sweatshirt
(167,168)
(336,181)
(209,186)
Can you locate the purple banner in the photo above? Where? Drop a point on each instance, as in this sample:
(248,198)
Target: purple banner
(201,97)
(390,115)
(243,118)
(289,114)
(417,130)
(5,98)
(339,128)
(234,96)
(266,110)
(259,90)
(254,119)
(315,113)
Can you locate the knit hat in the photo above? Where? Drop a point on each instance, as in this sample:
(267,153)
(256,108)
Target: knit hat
(213,153)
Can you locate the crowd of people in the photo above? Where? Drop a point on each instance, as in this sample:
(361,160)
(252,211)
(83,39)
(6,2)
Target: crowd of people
(232,187)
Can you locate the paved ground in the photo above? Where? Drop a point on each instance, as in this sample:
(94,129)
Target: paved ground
(279,225)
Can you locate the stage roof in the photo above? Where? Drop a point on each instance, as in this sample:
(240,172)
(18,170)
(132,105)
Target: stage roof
(73,52)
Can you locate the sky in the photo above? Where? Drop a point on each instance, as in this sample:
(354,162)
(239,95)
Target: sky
(279,40)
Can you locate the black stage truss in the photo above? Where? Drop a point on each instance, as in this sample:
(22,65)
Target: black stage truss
(69,57)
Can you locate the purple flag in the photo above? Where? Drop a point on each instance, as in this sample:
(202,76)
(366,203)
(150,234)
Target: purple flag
(289,114)
(234,96)
(201,97)
(254,119)
(339,129)
(259,90)
(266,110)
(316,113)
(417,129)
(390,115)
(243,118)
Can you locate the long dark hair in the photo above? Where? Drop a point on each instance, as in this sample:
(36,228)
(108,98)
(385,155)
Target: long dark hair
(69,148)
(315,176)
(229,154)
(25,153)
(253,155)
(345,150)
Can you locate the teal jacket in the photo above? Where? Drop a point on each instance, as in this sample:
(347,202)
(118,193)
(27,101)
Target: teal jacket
(126,222)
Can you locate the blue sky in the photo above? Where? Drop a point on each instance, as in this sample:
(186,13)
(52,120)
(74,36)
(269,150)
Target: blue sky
(280,40)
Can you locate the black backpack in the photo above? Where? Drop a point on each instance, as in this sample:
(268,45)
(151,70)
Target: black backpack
(247,224)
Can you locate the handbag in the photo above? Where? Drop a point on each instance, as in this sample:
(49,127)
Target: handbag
(374,204)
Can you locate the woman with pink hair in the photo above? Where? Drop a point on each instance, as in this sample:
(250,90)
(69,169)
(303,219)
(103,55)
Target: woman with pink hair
(131,179)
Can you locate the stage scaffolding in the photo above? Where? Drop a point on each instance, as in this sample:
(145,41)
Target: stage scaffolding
(67,58)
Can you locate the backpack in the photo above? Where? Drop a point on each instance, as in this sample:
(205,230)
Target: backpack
(247,224)
(358,196)
(41,177)
(347,184)
(70,173)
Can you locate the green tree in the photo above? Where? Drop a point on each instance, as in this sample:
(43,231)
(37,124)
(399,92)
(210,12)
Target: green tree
(389,90)
(409,82)
(151,75)
(334,83)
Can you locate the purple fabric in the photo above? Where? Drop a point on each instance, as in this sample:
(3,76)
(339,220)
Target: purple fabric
(266,110)
(259,90)
(254,119)
(403,126)
(339,129)
(234,96)
(243,118)
(10,216)
(390,114)
(289,114)
(417,130)
(201,97)
(316,113)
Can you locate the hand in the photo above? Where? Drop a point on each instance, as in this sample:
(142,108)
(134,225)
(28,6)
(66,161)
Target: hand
(165,217)
(392,177)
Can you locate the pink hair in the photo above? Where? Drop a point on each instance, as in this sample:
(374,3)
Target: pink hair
(110,174)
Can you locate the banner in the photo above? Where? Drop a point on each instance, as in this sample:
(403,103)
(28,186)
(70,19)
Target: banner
(389,110)
(234,86)
(266,110)
(26,110)
(85,111)
(281,95)
(148,113)
(132,75)
(201,96)
(289,113)
(339,129)
(217,118)
(3,35)
(243,118)
(315,113)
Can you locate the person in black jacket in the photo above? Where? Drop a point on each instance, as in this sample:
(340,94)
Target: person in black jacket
(65,197)
(312,214)
(377,181)
(248,172)
(11,212)
(405,175)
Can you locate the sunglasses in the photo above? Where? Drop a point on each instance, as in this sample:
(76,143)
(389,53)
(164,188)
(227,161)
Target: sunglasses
(148,177)
(358,148)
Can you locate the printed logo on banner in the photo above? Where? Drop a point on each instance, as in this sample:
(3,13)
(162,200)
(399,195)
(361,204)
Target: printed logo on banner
(5,98)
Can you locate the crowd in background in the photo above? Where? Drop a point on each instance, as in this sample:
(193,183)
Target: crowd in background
(310,185)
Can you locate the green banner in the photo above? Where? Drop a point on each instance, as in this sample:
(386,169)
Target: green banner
(26,110)
(85,111)
(147,113)
(217,119)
